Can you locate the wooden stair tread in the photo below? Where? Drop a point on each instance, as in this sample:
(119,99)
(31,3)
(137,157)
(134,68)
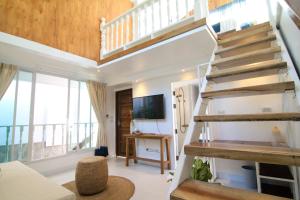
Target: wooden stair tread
(259,40)
(224,35)
(291,116)
(250,90)
(231,59)
(261,67)
(242,150)
(194,190)
(241,36)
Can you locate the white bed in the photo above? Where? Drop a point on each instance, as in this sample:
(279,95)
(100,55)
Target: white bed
(19,182)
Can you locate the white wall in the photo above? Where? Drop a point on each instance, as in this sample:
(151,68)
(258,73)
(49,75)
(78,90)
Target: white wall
(160,85)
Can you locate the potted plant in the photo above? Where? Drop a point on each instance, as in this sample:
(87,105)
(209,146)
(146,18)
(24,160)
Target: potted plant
(201,170)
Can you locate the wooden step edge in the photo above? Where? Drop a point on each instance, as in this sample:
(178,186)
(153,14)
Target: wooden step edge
(245,35)
(275,49)
(260,40)
(251,90)
(230,33)
(262,152)
(247,69)
(291,116)
(196,190)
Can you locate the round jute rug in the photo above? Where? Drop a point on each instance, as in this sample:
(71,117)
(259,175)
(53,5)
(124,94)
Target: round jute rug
(118,188)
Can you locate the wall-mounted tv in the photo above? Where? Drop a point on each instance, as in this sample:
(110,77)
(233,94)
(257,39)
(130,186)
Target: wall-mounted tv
(149,107)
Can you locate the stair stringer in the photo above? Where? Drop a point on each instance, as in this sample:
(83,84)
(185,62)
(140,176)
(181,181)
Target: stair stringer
(185,162)
(291,68)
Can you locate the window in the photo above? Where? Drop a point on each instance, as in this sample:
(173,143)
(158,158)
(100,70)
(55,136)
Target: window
(60,120)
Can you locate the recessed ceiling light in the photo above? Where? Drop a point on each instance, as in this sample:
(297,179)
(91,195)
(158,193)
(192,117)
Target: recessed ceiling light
(98,70)
(183,70)
(136,81)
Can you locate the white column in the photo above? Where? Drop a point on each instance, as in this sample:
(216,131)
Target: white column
(103,37)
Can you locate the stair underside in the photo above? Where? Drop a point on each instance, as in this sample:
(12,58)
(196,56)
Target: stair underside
(251,90)
(225,35)
(265,68)
(240,150)
(197,190)
(246,46)
(247,58)
(241,36)
(249,117)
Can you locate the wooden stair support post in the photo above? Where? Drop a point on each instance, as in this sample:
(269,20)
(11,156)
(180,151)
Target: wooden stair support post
(260,43)
(198,190)
(265,68)
(250,90)
(249,117)
(247,58)
(242,150)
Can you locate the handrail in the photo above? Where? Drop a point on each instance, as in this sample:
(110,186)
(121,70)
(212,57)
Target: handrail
(294,16)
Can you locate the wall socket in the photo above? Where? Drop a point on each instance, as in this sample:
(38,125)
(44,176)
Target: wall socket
(152,150)
(266,110)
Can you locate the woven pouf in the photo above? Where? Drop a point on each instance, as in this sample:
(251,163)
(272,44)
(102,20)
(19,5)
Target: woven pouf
(91,175)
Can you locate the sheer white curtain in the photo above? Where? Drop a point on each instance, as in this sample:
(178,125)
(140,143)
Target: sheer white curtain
(7,74)
(97,92)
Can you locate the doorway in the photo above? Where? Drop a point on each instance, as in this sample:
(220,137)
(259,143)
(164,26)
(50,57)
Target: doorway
(123,119)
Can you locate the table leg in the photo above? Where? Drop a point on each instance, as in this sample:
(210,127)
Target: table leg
(168,152)
(127,151)
(161,156)
(134,150)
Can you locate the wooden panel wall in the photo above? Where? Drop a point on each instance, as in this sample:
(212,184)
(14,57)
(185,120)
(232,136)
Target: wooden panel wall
(69,25)
(213,4)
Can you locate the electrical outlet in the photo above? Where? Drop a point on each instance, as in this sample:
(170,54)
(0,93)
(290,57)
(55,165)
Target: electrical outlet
(266,110)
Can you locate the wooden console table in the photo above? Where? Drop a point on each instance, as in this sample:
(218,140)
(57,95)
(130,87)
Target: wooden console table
(164,139)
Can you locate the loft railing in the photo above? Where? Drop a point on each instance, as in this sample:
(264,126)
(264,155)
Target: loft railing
(16,145)
(146,19)
(153,17)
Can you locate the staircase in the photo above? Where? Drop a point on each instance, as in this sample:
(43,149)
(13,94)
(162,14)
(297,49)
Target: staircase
(240,55)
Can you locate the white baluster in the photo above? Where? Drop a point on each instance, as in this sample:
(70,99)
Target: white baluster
(91,136)
(112,37)
(103,37)
(160,13)
(53,134)
(43,140)
(20,153)
(152,13)
(134,35)
(85,134)
(145,19)
(122,31)
(127,29)
(177,10)
(168,12)
(187,7)
(201,9)
(117,34)
(62,137)
(108,39)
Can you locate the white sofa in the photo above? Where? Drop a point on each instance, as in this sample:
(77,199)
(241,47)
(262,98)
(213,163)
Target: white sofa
(19,182)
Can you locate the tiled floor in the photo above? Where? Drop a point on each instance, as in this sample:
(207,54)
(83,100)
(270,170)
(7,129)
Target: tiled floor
(149,183)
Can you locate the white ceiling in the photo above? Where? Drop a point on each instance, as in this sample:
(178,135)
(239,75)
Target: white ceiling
(186,50)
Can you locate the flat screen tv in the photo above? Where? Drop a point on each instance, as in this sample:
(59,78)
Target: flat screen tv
(149,107)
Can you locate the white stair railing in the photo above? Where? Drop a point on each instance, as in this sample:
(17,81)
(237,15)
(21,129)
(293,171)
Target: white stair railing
(145,19)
